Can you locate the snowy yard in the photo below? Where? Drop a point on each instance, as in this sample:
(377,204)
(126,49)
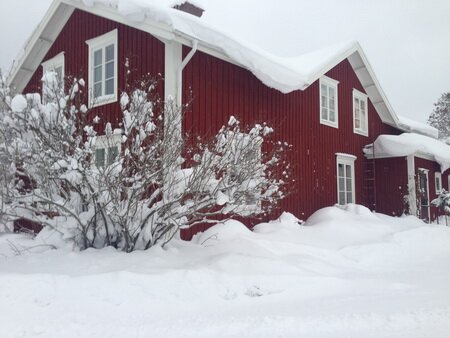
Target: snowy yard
(348,273)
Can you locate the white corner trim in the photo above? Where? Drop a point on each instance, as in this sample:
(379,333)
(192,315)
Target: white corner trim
(412,202)
(95,44)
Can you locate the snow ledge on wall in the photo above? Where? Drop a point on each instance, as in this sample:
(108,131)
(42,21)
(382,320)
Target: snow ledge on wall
(410,144)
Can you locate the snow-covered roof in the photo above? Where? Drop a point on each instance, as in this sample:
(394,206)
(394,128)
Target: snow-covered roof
(410,144)
(412,126)
(157,17)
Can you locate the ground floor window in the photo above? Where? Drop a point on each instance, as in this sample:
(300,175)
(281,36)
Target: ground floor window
(438,182)
(345,164)
(107,148)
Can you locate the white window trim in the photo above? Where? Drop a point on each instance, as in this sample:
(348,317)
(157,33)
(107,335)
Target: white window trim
(55,62)
(363,97)
(95,44)
(346,159)
(107,142)
(438,175)
(329,82)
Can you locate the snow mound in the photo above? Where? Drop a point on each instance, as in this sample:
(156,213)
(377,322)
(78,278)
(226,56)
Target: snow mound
(349,273)
(226,231)
(410,144)
(286,222)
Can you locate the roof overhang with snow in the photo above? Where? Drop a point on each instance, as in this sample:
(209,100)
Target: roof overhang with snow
(168,24)
(406,144)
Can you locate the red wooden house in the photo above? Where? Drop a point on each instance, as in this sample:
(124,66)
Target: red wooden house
(328,104)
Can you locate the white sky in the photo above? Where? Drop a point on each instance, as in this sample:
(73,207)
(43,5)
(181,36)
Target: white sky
(406,41)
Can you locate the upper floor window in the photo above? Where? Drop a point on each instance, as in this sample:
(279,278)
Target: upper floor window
(360,121)
(438,182)
(329,101)
(53,76)
(345,178)
(103,69)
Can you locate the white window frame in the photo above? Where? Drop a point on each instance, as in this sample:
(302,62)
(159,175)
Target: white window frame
(101,42)
(55,62)
(346,159)
(438,177)
(329,83)
(106,143)
(361,97)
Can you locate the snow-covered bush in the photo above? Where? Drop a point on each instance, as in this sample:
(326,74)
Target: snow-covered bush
(136,190)
(442,202)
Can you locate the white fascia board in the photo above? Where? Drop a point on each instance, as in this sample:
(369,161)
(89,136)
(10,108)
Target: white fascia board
(37,46)
(331,64)
(367,77)
(386,113)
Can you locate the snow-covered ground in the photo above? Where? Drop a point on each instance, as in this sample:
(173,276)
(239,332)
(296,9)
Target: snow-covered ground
(346,273)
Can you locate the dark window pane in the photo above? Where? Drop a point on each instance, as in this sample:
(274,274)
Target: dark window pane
(332,117)
(100,157)
(98,74)
(112,154)
(341,198)
(109,53)
(341,170)
(109,87)
(98,89)
(109,70)
(98,55)
(348,171)
(341,184)
(349,197)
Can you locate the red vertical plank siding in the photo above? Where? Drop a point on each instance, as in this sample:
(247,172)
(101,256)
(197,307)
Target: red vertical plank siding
(220,89)
(146,55)
(295,117)
(391,179)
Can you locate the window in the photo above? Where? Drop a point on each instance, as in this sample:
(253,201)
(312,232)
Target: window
(328,102)
(107,149)
(345,178)
(438,182)
(360,124)
(103,69)
(54,65)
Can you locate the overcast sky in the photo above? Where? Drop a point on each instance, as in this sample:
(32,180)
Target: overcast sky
(406,41)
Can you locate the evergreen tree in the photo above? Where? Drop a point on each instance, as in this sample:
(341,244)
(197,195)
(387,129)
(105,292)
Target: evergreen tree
(440,117)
